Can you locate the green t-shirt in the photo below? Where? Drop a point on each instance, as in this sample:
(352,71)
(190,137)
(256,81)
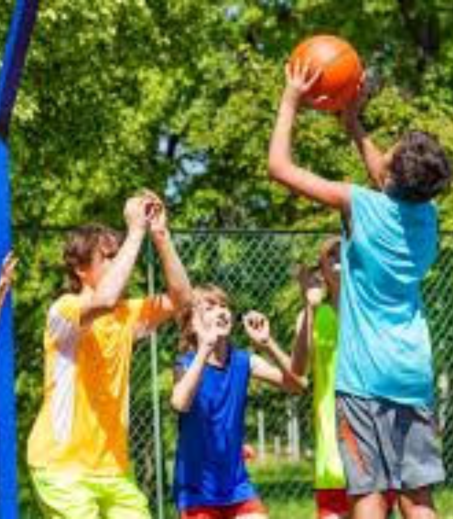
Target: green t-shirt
(328,467)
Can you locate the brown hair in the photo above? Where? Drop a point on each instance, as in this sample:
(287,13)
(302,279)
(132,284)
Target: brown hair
(80,247)
(419,168)
(188,339)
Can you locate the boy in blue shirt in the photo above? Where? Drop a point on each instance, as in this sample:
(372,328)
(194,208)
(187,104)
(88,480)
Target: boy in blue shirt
(212,377)
(384,382)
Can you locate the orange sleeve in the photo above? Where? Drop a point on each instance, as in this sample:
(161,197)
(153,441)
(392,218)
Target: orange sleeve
(152,311)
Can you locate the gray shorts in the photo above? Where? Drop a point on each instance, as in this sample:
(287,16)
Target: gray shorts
(385,445)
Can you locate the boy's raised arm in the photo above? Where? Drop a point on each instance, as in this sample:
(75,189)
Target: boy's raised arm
(187,381)
(178,285)
(375,160)
(312,294)
(281,165)
(112,284)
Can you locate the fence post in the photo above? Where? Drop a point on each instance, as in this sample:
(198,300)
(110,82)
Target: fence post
(443,385)
(289,430)
(296,431)
(261,435)
(157,422)
(277,447)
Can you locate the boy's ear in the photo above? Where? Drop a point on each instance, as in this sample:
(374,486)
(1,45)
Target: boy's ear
(81,274)
(110,244)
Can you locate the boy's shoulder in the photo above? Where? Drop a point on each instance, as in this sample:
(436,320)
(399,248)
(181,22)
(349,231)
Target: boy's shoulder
(366,201)
(63,319)
(365,192)
(236,355)
(239,352)
(64,302)
(184,359)
(241,358)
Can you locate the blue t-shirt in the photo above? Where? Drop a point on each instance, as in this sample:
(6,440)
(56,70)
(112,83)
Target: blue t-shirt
(384,342)
(210,469)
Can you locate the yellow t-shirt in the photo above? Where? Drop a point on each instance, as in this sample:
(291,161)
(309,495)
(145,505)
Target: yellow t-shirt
(83,423)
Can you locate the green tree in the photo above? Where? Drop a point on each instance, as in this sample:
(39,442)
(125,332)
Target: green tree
(180,96)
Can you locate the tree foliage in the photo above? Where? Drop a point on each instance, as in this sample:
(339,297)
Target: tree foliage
(180,96)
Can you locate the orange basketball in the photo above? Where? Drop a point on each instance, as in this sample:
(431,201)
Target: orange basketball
(340,66)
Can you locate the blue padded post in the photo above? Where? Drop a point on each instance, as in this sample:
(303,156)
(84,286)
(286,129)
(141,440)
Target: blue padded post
(19,35)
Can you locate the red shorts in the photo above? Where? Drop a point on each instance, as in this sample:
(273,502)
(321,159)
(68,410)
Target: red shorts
(252,506)
(332,503)
(335,502)
(391,498)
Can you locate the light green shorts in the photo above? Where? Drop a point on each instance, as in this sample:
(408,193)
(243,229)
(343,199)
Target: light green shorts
(68,496)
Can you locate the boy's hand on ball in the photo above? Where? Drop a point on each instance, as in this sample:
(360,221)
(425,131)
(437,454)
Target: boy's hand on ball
(349,117)
(257,328)
(300,79)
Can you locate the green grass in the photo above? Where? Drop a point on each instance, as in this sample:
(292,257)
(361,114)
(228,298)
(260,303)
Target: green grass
(298,508)
(286,490)
(444,503)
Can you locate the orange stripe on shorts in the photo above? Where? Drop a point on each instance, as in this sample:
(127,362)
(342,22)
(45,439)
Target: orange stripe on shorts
(352,445)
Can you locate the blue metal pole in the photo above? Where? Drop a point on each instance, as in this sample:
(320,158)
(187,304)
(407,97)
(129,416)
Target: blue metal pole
(19,35)
(17,43)
(8,473)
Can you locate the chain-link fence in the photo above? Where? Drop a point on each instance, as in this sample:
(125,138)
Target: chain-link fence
(257,270)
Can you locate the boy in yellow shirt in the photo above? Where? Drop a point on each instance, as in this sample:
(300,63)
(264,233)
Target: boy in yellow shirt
(78,448)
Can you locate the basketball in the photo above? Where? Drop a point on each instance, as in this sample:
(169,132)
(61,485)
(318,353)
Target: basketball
(341,71)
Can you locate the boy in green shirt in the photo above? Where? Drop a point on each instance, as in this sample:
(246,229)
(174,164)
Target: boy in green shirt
(317,338)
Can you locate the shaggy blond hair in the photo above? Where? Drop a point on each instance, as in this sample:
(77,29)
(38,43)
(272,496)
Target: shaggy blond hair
(210,292)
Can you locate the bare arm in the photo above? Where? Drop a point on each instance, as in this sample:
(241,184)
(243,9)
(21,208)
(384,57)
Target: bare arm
(187,382)
(177,282)
(6,275)
(281,166)
(3,292)
(279,374)
(112,284)
(312,293)
(375,160)
(208,334)
(303,346)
